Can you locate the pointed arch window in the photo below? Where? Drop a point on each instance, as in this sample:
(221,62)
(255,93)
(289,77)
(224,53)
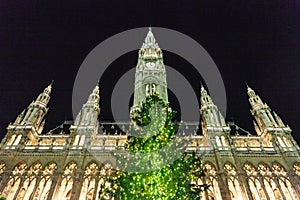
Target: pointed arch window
(285,185)
(211,178)
(2,168)
(66,185)
(11,140)
(270,185)
(281,143)
(105,171)
(224,141)
(255,185)
(233,183)
(218,141)
(17,140)
(82,139)
(30,181)
(287,141)
(14,181)
(89,183)
(44,186)
(297,169)
(76,141)
(150,89)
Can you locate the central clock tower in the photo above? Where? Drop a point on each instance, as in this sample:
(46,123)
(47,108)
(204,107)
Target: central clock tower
(150,75)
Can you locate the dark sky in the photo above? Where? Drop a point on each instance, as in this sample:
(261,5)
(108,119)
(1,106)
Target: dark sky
(255,41)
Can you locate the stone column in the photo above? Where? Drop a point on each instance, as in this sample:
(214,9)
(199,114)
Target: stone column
(77,185)
(261,181)
(56,180)
(4,180)
(96,187)
(244,179)
(222,181)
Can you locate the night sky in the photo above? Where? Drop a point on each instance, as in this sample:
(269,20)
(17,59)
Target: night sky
(255,41)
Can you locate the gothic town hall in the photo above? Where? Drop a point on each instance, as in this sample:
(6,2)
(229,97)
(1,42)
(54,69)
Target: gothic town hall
(73,163)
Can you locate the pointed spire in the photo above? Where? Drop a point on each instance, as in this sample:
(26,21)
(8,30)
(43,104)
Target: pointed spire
(205,98)
(34,114)
(247,86)
(209,111)
(150,39)
(48,89)
(253,97)
(150,48)
(262,114)
(90,110)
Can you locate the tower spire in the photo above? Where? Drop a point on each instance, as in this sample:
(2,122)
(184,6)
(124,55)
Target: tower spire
(150,49)
(34,114)
(262,114)
(247,86)
(89,112)
(210,113)
(150,75)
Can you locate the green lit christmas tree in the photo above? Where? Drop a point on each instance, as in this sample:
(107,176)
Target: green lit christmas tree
(154,168)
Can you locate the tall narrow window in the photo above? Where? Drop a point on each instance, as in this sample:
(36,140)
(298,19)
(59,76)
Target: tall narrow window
(105,170)
(11,140)
(211,178)
(153,88)
(255,186)
(218,141)
(2,168)
(82,139)
(297,169)
(88,187)
(76,141)
(233,183)
(44,186)
(66,185)
(14,181)
(285,184)
(271,187)
(30,181)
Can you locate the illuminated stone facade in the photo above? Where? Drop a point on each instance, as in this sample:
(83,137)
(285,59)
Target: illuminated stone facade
(73,163)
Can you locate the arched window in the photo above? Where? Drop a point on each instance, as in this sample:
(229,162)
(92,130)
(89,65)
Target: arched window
(14,181)
(271,187)
(66,185)
(11,140)
(106,170)
(233,183)
(224,141)
(297,169)
(30,181)
(218,141)
(285,184)
(2,168)
(17,140)
(213,192)
(44,187)
(255,186)
(88,187)
(280,141)
(76,141)
(82,139)
(287,141)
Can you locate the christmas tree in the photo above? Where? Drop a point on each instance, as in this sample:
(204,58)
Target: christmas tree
(155,168)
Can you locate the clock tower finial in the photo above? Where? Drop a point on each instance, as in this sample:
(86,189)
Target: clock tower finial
(150,75)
